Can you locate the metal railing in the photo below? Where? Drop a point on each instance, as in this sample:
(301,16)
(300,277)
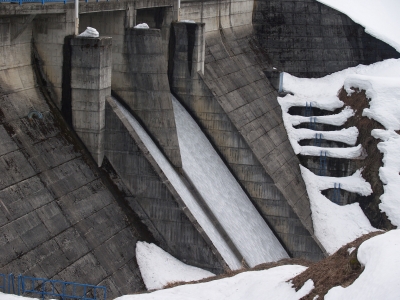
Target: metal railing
(318,139)
(51,288)
(336,193)
(308,110)
(322,163)
(20,2)
(313,123)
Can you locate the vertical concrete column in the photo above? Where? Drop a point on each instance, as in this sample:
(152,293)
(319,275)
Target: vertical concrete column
(189,52)
(90,84)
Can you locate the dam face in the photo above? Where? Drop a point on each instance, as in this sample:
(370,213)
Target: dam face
(80,186)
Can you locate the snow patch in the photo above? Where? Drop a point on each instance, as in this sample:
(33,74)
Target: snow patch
(142,26)
(329,85)
(380,278)
(336,225)
(159,268)
(254,285)
(187,21)
(350,250)
(390,173)
(385,98)
(380,18)
(90,32)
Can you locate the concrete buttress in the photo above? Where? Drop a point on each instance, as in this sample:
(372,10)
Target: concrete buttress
(90,84)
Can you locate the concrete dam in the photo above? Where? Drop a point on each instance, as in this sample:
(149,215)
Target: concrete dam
(95,156)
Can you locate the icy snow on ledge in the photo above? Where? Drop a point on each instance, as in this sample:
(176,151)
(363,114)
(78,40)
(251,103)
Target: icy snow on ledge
(389,173)
(380,278)
(380,18)
(142,26)
(267,284)
(336,225)
(384,93)
(158,268)
(90,32)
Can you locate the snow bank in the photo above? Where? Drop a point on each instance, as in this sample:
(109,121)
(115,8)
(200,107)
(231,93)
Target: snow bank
(329,85)
(181,188)
(268,284)
(142,26)
(336,225)
(90,32)
(380,278)
(223,195)
(380,18)
(389,173)
(336,119)
(385,98)
(159,268)
(14,297)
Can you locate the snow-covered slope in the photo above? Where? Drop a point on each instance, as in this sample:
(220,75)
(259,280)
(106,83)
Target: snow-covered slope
(380,18)
(158,268)
(269,284)
(223,195)
(380,279)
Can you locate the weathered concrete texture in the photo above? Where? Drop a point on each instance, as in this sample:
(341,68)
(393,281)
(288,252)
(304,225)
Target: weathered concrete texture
(142,82)
(234,148)
(139,77)
(91,83)
(58,219)
(309,39)
(149,195)
(49,32)
(218,14)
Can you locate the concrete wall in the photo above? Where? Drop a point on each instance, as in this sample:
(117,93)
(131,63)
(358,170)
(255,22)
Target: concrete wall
(218,14)
(140,78)
(90,83)
(309,39)
(59,216)
(239,146)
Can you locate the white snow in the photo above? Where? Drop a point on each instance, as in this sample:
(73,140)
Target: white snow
(14,297)
(142,26)
(380,278)
(268,284)
(187,21)
(317,88)
(389,173)
(223,195)
(349,153)
(89,32)
(181,188)
(345,135)
(384,93)
(336,225)
(158,268)
(350,250)
(380,18)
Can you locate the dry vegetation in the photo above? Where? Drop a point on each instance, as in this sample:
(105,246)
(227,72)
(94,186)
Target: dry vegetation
(371,164)
(266,266)
(340,268)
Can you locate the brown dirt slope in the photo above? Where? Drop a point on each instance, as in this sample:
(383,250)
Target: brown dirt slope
(371,164)
(265,266)
(340,268)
